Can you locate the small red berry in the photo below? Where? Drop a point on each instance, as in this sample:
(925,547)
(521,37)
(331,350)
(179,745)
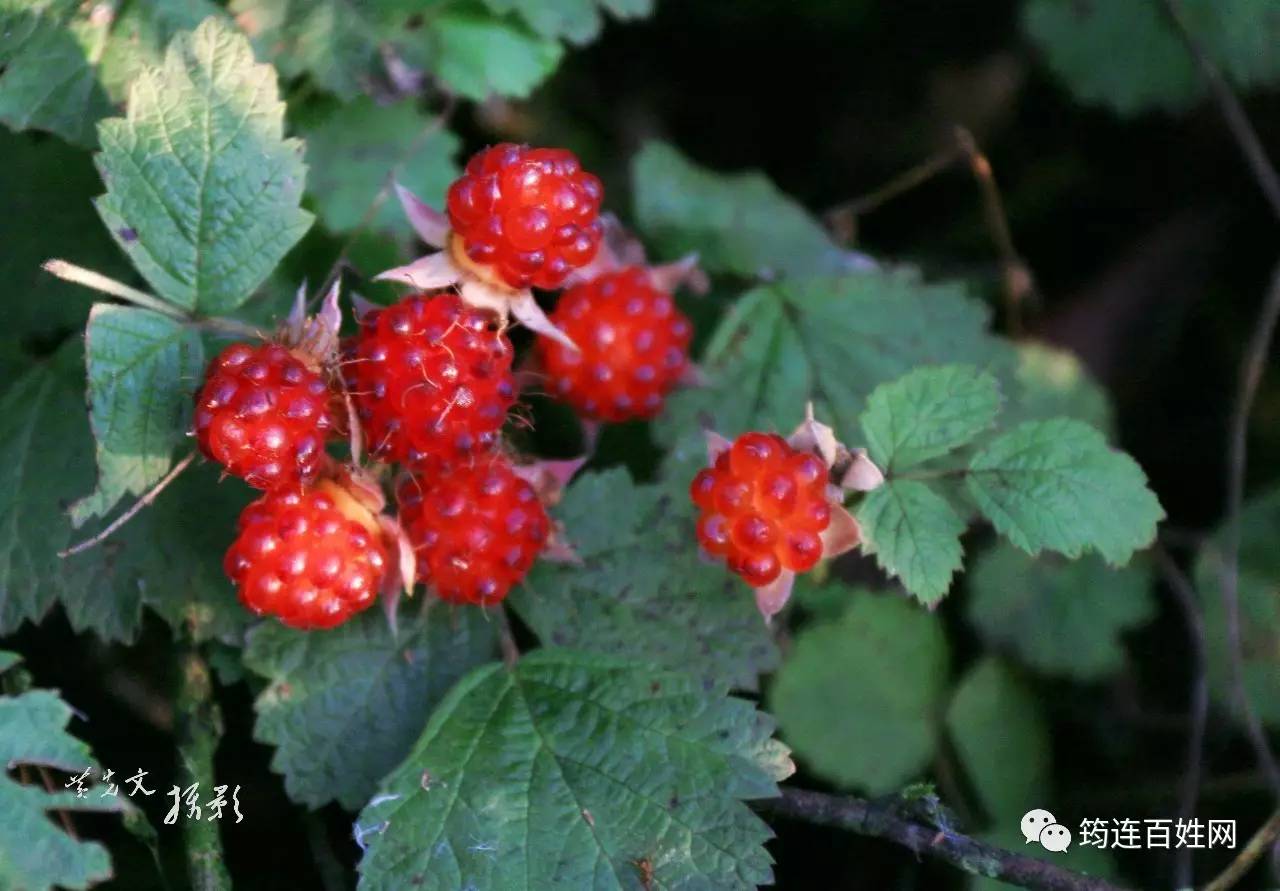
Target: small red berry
(529,214)
(264,413)
(762,506)
(633,347)
(430,378)
(313,559)
(476,529)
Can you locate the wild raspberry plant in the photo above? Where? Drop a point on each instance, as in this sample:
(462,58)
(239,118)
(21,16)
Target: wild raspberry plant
(384,470)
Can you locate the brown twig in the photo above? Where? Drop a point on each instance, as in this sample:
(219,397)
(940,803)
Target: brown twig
(1189,791)
(1232,111)
(1251,368)
(972,856)
(900,184)
(506,639)
(63,817)
(134,509)
(1257,846)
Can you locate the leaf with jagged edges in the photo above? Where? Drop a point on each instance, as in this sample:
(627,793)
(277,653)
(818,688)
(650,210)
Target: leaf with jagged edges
(1058,616)
(927,413)
(139,34)
(334,41)
(831,341)
(1056,485)
(47,81)
(1259,608)
(578,21)
(478,56)
(203,189)
(344,707)
(858,698)
(142,369)
(1127,54)
(996,728)
(35,854)
(738,223)
(570,770)
(642,589)
(168,556)
(355,152)
(914,534)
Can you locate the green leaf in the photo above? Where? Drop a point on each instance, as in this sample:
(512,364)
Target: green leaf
(915,535)
(142,366)
(343,708)
(830,341)
(202,187)
(566,771)
(1059,617)
(858,699)
(355,152)
(927,413)
(738,223)
(334,41)
(1052,383)
(46,79)
(169,556)
(8,660)
(995,725)
(139,34)
(1057,485)
(35,854)
(1126,54)
(1257,584)
(46,190)
(642,590)
(578,21)
(477,56)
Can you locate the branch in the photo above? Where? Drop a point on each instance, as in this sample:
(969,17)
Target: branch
(972,856)
(1251,368)
(1249,854)
(199,727)
(1232,111)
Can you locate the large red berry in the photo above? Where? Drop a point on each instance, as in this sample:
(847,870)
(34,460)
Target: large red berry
(530,214)
(430,378)
(634,347)
(264,413)
(311,558)
(763,506)
(476,529)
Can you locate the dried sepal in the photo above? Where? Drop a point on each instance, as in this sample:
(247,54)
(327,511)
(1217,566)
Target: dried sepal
(315,337)
(716,445)
(549,478)
(842,534)
(685,271)
(431,225)
(860,474)
(774,596)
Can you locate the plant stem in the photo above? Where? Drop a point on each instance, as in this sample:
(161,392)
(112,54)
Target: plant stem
(974,857)
(1249,854)
(70,272)
(199,727)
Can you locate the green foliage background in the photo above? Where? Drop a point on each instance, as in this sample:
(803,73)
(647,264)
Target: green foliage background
(1002,635)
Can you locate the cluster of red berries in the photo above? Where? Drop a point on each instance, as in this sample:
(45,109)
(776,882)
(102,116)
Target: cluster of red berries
(429,383)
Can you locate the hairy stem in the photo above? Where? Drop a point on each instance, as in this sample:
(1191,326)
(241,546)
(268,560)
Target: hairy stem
(974,857)
(1261,842)
(199,727)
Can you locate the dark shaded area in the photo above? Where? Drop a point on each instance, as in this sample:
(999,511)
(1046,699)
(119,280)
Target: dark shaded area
(1151,249)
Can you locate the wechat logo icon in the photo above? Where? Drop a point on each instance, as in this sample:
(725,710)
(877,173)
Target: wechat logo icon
(1042,827)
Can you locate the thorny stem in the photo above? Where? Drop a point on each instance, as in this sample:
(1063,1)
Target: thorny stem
(199,727)
(1189,792)
(974,857)
(1257,846)
(1264,172)
(134,509)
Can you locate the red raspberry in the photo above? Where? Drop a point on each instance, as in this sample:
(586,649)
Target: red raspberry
(532,215)
(763,505)
(264,413)
(634,347)
(476,529)
(311,558)
(430,378)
